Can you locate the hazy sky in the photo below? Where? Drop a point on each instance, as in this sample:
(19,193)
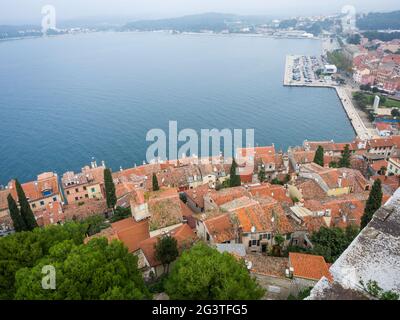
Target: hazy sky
(28,11)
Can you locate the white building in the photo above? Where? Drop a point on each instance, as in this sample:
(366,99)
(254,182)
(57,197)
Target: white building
(377,100)
(330,69)
(393,166)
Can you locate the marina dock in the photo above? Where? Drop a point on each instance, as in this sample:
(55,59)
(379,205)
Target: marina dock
(358,125)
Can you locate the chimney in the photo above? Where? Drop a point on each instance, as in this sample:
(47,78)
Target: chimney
(240,234)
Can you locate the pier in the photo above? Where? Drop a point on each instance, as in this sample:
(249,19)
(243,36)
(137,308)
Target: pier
(358,125)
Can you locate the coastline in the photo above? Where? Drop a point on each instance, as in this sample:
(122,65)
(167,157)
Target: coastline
(169,32)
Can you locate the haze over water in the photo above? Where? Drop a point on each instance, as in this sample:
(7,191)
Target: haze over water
(66,99)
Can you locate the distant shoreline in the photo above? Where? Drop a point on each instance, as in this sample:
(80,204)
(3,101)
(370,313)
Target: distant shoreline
(255,35)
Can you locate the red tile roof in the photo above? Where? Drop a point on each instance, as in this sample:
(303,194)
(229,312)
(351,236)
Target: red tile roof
(310,189)
(381,142)
(52,214)
(131,233)
(34,189)
(267,190)
(309,266)
(92,207)
(165,208)
(226,195)
(184,235)
(197,194)
(3,199)
(377,165)
(221,228)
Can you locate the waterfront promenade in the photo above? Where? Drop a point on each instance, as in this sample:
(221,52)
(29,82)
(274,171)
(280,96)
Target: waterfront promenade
(343,93)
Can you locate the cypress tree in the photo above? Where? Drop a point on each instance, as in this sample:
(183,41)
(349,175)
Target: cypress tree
(25,208)
(319,156)
(110,189)
(156,187)
(18,222)
(261,174)
(234,180)
(344,162)
(374,202)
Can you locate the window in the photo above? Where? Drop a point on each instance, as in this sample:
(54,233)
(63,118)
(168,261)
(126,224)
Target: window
(42,203)
(77,190)
(208,237)
(84,188)
(33,205)
(67,191)
(86,196)
(254,242)
(93,189)
(265,236)
(54,199)
(76,198)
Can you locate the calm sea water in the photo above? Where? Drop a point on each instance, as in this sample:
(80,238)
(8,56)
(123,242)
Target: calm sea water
(64,100)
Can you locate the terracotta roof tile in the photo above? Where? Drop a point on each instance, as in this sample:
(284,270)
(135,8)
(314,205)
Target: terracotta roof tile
(131,233)
(221,228)
(184,235)
(92,207)
(309,266)
(274,191)
(47,181)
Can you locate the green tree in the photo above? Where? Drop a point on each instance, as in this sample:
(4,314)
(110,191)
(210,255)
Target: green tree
(156,187)
(374,202)
(277,248)
(234,179)
(93,271)
(121,214)
(110,189)
(333,164)
(344,161)
(331,242)
(18,222)
(25,208)
(25,249)
(395,113)
(354,39)
(202,273)
(183,197)
(277,182)
(319,156)
(167,251)
(95,224)
(301,295)
(261,174)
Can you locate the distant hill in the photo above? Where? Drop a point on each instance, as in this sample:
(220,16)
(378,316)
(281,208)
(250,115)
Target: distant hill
(19,31)
(194,23)
(379,21)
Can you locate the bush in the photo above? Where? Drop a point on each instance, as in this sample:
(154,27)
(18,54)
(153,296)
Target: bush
(202,273)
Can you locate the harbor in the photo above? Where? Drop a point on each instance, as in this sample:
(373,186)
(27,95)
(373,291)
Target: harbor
(299,74)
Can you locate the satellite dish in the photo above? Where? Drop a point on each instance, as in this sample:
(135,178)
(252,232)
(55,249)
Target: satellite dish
(249,265)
